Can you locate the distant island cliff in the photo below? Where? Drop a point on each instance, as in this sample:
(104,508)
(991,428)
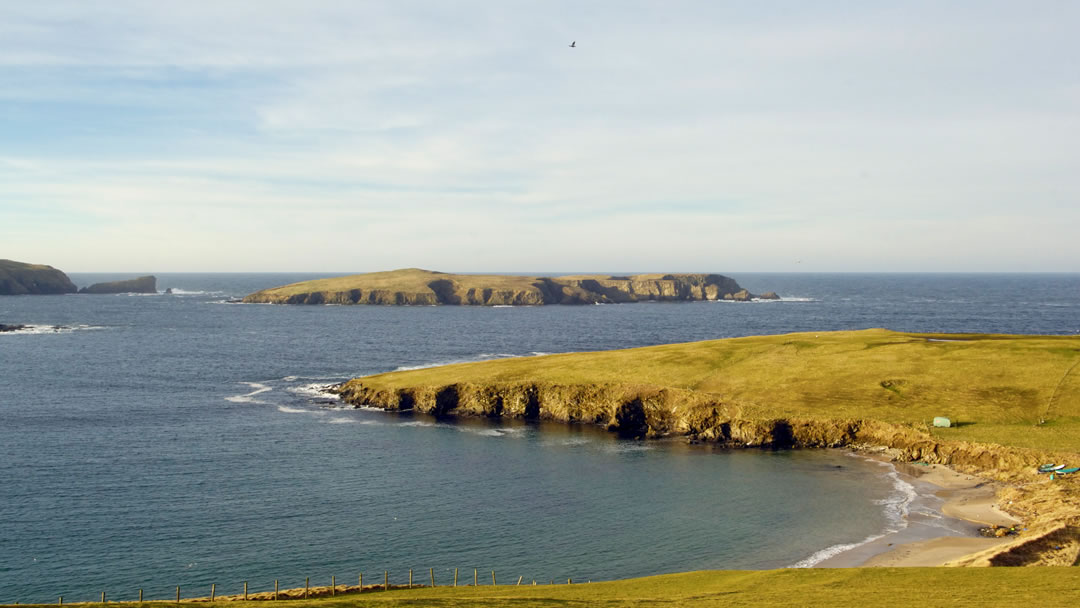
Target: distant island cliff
(147,284)
(19,278)
(416,287)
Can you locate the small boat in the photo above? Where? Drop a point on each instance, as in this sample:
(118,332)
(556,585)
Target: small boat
(1049,468)
(1069,470)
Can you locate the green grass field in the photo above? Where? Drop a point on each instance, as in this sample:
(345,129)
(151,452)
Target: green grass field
(872,587)
(1021,391)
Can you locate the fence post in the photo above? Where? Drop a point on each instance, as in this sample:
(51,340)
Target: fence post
(519,578)
(431,571)
(245,591)
(455,577)
(307,581)
(61,602)
(178,594)
(102,597)
(386,580)
(361,582)
(275,589)
(474,583)
(492,578)
(140,596)
(213,591)
(333,585)
(569,582)
(410,578)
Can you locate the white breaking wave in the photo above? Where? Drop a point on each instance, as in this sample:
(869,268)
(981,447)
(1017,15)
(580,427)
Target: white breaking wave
(474,359)
(341,421)
(176,291)
(896,505)
(250,397)
(833,551)
(49,329)
(315,389)
(490,432)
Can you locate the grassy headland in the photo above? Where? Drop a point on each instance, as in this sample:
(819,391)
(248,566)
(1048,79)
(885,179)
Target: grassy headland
(996,387)
(1015,401)
(415,287)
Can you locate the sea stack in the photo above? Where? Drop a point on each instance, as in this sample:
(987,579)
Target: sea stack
(147,284)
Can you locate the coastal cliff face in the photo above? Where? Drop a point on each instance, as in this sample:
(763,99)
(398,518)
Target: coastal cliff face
(18,278)
(415,287)
(147,284)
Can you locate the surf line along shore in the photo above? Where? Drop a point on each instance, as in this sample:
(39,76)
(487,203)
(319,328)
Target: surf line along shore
(941,521)
(875,389)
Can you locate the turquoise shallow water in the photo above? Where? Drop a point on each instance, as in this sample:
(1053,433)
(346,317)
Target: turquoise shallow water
(176,440)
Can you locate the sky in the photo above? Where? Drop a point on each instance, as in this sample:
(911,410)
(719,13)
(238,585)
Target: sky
(322,136)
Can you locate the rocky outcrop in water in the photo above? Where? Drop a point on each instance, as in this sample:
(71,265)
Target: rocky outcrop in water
(6,328)
(147,284)
(19,278)
(415,287)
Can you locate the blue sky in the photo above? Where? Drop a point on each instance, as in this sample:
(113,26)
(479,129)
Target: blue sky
(467,136)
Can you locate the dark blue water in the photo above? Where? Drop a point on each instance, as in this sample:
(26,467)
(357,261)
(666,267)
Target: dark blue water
(174,440)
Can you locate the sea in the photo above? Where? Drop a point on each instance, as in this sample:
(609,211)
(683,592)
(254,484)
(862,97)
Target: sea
(155,441)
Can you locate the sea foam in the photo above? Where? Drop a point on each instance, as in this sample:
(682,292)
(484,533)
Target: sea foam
(896,508)
(250,397)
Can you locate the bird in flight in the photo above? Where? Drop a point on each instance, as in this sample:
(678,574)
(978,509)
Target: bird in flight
(573,44)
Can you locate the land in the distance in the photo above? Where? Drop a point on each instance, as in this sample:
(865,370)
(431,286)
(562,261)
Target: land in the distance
(1014,401)
(146,284)
(18,278)
(416,287)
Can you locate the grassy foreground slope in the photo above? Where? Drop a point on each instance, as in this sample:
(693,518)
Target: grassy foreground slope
(1019,391)
(922,587)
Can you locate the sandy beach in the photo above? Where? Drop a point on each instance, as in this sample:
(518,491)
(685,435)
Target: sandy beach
(942,522)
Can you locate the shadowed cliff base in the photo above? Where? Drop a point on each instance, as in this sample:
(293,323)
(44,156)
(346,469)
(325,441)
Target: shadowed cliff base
(1017,397)
(415,287)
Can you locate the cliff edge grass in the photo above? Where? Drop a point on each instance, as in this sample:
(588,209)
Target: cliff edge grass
(1014,401)
(416,287)
(20,278)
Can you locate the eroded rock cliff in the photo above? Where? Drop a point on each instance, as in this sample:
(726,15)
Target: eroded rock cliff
(417,287)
